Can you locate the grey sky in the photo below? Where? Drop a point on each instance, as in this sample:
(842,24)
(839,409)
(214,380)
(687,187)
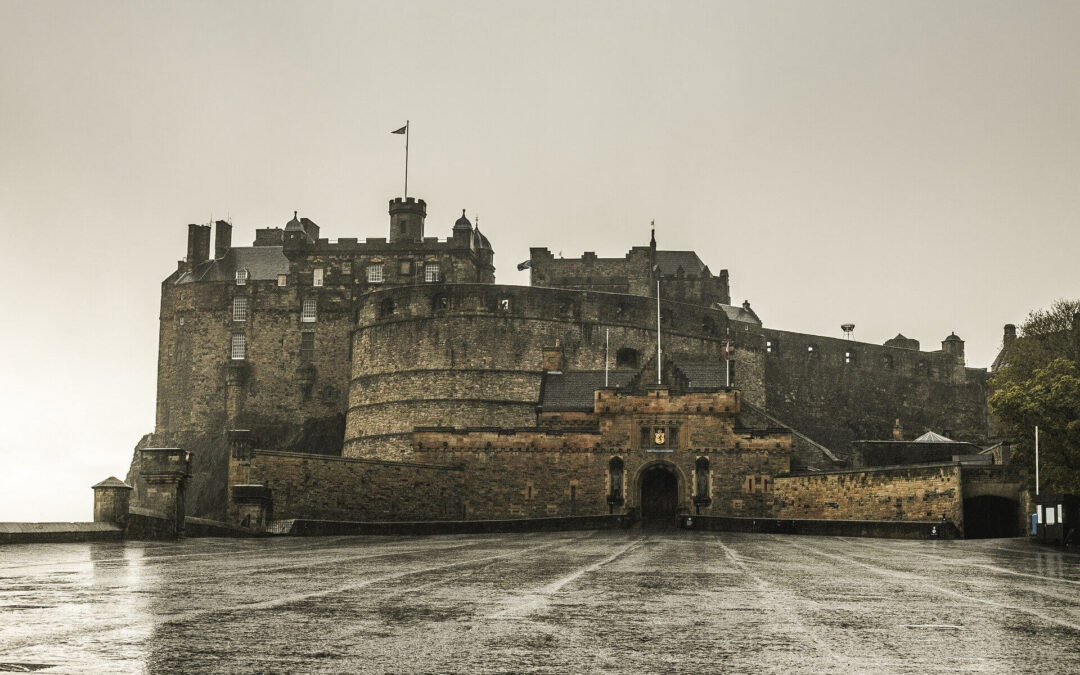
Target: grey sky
(904,166)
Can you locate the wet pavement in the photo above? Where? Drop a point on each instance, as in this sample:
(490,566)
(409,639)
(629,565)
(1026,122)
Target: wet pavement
(620,602)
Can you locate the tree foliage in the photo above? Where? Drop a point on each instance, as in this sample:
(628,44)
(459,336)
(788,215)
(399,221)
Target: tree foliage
(1039,384)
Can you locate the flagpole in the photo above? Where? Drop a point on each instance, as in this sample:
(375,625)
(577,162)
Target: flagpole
(657,331)
(1036,460)
(607,342)
(406,158)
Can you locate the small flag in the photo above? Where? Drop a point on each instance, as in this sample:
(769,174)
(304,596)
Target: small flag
(401,130)
(728,350)
(525,265)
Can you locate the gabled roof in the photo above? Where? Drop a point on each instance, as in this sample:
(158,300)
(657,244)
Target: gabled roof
(112,481)
(669,263)
(744,313)
(263,263)
(574,392)
(931,437)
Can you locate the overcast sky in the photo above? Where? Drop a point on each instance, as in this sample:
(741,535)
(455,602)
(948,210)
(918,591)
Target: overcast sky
(907,166)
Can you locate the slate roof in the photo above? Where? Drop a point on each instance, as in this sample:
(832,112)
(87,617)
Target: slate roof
(263,263)
(112,481)
(701,374)
(573,392)
(931,437)
(669,263)
(744,314)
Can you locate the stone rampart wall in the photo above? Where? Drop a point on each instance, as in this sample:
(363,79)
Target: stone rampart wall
(910,493)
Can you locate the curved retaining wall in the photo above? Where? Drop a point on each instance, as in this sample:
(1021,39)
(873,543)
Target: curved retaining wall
(470,354)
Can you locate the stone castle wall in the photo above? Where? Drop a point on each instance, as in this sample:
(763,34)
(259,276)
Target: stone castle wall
(470,355)
(910,493)
(842,390)
(338,488)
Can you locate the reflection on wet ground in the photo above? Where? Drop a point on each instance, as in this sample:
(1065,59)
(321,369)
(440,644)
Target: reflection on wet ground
(628,602)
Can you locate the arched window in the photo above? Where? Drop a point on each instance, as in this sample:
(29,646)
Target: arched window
(615,472)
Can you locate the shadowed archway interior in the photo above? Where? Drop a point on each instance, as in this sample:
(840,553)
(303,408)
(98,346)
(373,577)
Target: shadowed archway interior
(659,494)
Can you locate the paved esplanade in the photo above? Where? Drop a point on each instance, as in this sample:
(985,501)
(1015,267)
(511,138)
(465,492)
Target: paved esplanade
(633,602)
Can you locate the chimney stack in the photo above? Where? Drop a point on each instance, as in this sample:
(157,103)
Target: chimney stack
(198,244)
(222,239)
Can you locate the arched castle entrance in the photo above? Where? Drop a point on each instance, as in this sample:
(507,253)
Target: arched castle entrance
(659,492)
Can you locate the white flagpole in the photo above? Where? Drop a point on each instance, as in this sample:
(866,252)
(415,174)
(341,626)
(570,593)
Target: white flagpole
(607,342)
(658,331)
(406,158)
(727,364)
(1036,460)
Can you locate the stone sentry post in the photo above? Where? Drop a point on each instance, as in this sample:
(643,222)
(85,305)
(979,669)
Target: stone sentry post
(166,471)
(112,497)
(250,505)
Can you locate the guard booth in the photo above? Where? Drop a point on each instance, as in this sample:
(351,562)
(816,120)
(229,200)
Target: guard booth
(1056,519)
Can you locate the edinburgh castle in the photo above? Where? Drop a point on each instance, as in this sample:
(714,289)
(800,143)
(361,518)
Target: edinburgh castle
(391,379)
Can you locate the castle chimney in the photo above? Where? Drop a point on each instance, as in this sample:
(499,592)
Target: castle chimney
(407,219)
(898,430)
(198,244)
(222,239)
(553,359)
(1010,336)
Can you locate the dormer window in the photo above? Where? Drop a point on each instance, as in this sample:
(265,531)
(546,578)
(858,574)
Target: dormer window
(317,277)
(241,277)
(375,273)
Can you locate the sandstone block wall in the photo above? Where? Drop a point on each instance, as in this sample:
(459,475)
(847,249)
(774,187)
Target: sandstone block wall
(337,488)
(906,493)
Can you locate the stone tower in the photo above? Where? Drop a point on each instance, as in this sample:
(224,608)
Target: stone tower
(407,219)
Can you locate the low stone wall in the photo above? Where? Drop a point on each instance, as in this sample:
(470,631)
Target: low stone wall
(885,529)
(41,533)
(318,528)
(201,527)
(908,493)
(146,524)
(321,487)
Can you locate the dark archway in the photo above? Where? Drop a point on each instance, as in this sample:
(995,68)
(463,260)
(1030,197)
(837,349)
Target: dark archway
(659,494)
(990,516)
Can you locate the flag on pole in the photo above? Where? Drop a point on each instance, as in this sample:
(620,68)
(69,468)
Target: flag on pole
(401,130)
(524,265)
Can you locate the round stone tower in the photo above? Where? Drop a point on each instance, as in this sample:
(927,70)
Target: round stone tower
(407,219)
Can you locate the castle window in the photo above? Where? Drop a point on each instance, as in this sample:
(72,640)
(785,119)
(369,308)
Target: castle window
(346,268)
(282,280)
(627,357)
(887,361)
(431,272)
(440,303)
(386,308)
(308,314)
(772,346)
(241,277)
(307,345)
(375,273)
(504,305)
(849,357)
(238,347)
(240,308)
(921,368)
(812,351)
(317,276)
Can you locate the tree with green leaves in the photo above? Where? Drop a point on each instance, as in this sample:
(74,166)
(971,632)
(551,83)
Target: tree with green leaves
(1038,384)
